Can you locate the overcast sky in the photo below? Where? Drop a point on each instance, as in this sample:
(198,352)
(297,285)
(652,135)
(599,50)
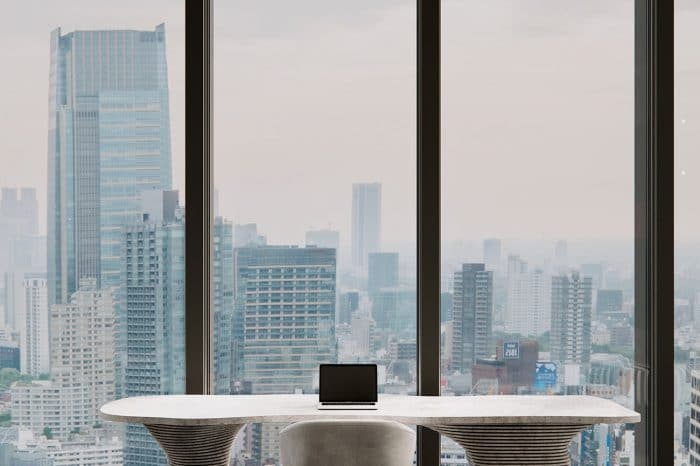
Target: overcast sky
(313,95)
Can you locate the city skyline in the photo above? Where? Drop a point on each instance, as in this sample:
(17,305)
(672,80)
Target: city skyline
(32,67)
(281,305)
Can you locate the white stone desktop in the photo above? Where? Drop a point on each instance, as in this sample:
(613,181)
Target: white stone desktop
(494,430)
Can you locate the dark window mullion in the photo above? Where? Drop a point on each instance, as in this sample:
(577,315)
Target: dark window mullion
(428,217)
(198,187)
(654,235)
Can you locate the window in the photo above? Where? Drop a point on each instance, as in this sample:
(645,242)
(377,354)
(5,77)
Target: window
(315,197)
(91,225)
(538,206)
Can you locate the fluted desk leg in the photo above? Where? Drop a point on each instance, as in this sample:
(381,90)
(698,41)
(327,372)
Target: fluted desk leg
(196,445)
(511,445)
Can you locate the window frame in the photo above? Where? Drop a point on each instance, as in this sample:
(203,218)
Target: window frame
(654,222)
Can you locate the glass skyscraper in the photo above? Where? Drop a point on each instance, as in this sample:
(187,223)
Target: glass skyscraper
(109,140)
(286,297)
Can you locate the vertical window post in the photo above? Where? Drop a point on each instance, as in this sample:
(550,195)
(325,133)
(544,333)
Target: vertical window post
(428,218)
(198,186)
(654,236)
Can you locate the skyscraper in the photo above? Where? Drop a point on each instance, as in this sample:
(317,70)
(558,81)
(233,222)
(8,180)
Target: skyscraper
(323,239)
(246,235)
(528,311)
(492,253)
(287,298)
(228,334)
(109,140)
(366,221)
(570,337)
(609,302)
(472,316)
(152,327)
(19,221)
(382,271)
(34,327)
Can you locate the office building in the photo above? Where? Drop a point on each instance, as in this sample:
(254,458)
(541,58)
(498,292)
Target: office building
(287,298)
(349,303)
(105,86)
(528,311)
(492,253)
(472,316)
(34,327)
(609,303)
(323,239)
(246,235)
(362,331)
(366,221)
(19,221)
(570,337)
(382,271)
(152,326)
(228,334)
(394,309)
(694,450)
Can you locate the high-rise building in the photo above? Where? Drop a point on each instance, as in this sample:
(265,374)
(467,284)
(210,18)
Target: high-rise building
(228,334)
(394,309)
(382,271)
(19,223)
(323,239)
(287,298)
(492,253)
(366,221)
(246,235)
(527,300)
(152,327)
(609,302)
(105,87)
(570,337)
(349,303)
(82,350)
(694,450)
(472,316)
(561,253)
(34,327)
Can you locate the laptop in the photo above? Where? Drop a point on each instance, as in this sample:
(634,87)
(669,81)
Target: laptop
(347,386)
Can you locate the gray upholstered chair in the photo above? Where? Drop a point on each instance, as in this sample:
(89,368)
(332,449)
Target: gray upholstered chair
(347,443)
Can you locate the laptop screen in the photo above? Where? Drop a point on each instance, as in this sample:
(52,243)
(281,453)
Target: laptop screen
(347,382)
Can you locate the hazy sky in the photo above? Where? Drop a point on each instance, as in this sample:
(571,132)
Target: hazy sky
(313,95)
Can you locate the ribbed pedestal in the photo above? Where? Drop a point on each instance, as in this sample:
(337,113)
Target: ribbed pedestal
(196,445)
(513,445)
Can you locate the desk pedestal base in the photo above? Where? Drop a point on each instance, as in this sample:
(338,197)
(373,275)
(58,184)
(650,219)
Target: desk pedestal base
(196,445)
(513,445)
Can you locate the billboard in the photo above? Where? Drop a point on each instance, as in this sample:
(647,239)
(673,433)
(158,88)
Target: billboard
(511,350)
(545,375)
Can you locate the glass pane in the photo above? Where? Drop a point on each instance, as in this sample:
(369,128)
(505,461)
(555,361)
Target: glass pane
(687,244)
(538,206)
(315,177)
(91,225)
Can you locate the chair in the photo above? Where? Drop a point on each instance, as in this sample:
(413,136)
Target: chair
(347,443)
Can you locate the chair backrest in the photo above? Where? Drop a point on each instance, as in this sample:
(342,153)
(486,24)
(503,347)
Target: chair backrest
(347,443)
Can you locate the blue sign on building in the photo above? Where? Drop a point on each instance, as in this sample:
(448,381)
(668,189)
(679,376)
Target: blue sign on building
(545,375)
(511,350)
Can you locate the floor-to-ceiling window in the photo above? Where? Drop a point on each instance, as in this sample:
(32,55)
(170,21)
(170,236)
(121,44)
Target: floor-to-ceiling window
(538,207)
(315,211)
(92,232)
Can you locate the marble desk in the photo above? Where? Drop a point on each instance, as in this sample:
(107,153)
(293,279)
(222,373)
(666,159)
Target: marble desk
(493,430)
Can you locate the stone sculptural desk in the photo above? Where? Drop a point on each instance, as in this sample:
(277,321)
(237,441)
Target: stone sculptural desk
(493,430)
